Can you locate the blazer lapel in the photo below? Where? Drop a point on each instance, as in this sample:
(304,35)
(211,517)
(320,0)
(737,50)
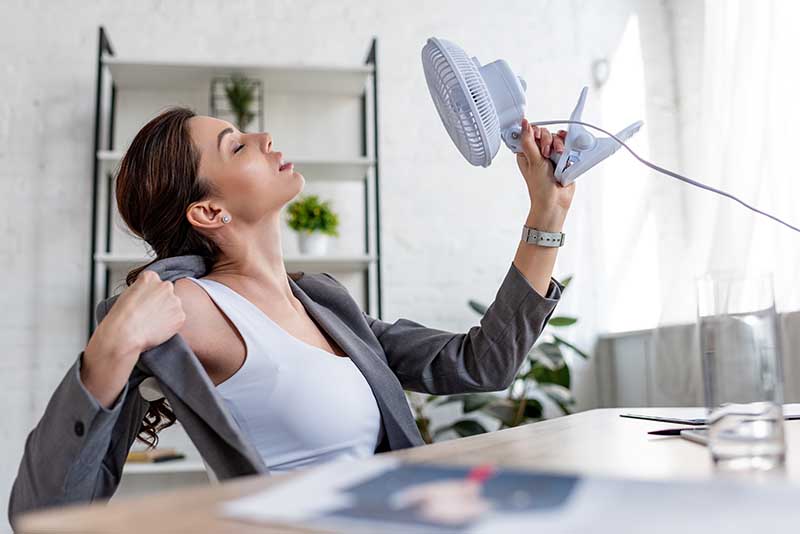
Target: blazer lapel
(384,384)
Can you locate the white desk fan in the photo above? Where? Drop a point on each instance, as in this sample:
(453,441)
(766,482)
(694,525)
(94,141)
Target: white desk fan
(481,104)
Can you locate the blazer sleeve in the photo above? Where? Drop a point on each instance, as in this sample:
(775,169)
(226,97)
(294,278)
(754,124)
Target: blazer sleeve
(486,358)
(77,450)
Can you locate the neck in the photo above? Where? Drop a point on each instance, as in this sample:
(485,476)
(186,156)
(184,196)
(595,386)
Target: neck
(251,256)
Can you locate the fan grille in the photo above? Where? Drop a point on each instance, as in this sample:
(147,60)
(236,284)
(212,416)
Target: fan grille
(463,102)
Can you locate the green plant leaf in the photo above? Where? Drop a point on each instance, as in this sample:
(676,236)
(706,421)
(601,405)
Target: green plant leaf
(579,352)
(463,427)
(565,408)
(561,396)
(560,322)
(503,409)
(543,375)
(308,214)
(542,359)
(240,93)
(476,401)
(558,393)
(441,401)
(549,354)
(478,307)
(565,282)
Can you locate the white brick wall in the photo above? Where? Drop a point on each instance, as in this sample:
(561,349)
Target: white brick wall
(449,230)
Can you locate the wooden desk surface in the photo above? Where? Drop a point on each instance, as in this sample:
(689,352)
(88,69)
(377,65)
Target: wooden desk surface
(597,442)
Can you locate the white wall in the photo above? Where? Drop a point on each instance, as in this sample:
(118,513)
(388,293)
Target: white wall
(449,230)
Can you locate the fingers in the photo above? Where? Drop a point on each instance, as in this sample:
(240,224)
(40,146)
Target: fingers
(168,305)
(546,142)
(558,143)
(153,280)
(178,314)
(149,286)
(528,142)
(150,309)
(167,291)
(147,278)
(538,143)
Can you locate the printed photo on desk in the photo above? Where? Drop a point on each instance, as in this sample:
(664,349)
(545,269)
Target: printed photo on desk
(388,496)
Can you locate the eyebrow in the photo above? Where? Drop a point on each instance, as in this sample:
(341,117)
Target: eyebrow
(222,134)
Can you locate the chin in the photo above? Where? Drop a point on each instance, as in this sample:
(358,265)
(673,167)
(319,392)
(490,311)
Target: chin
(301,181)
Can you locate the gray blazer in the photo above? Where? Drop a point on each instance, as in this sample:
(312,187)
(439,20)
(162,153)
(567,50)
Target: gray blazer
(77,450)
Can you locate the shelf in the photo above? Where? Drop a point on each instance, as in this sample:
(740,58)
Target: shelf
(312,169)
(334,170)
(317,263)
(131,73)
(328,263)
(173,466)
(122,260)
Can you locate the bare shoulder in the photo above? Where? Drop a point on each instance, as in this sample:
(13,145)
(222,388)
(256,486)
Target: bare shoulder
(195,300)
(200,310)
(209,333)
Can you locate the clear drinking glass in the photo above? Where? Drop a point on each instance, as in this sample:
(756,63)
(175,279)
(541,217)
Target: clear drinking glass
(742,370)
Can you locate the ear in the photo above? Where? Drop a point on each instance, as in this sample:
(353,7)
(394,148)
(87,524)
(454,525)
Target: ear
(205,215)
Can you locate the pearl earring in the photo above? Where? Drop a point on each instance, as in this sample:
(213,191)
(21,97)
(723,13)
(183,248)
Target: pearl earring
(226,219)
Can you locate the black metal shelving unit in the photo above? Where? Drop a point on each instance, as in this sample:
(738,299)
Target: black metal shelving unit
(372,59)
(103,48)
(106,102)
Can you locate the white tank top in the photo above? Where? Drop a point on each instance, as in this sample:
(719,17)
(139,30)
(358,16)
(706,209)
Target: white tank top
(298,404)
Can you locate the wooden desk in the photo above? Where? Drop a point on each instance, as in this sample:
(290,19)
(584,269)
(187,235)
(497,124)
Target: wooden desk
(597,442)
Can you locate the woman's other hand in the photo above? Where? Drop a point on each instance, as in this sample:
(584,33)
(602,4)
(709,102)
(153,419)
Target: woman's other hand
(145,315)
(550,201)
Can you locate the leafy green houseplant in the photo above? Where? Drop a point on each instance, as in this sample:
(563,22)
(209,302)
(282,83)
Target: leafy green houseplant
(544,378)
(313,221)
(240,93)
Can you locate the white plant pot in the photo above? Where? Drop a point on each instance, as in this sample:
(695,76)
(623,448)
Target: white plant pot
(313,244)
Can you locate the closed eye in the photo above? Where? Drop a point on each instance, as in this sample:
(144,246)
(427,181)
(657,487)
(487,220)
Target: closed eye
(238,149)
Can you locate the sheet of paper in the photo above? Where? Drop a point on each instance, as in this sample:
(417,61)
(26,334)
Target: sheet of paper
(688,415)
(384,495)
(316,492)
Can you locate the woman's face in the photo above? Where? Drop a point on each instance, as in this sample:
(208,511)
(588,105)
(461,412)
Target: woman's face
(249,179)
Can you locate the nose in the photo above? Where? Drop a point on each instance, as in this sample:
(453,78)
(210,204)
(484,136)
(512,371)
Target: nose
(266,142)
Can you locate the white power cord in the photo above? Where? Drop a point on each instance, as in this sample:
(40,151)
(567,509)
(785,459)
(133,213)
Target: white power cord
(667,171)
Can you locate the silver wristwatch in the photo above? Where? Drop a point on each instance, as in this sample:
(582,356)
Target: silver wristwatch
(543,239)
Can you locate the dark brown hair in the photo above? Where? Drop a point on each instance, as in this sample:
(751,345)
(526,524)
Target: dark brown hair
(157,181)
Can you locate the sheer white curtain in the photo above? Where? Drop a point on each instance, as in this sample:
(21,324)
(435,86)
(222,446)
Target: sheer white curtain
(750,140)
(657,234)
(738,129)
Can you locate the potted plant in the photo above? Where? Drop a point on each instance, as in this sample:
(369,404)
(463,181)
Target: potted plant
(543,378)
(240,93)
(314,222)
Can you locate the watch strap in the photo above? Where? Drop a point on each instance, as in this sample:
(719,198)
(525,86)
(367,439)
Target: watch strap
(543,239)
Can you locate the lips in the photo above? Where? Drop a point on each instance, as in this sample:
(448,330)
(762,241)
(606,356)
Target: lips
(283,165)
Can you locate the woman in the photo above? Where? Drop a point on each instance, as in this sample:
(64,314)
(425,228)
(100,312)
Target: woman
(305,375)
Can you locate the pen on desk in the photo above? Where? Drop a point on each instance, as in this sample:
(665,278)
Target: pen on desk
(480,473)
(673,431)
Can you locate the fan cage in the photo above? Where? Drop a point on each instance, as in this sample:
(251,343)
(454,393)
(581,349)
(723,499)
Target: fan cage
(465,105)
